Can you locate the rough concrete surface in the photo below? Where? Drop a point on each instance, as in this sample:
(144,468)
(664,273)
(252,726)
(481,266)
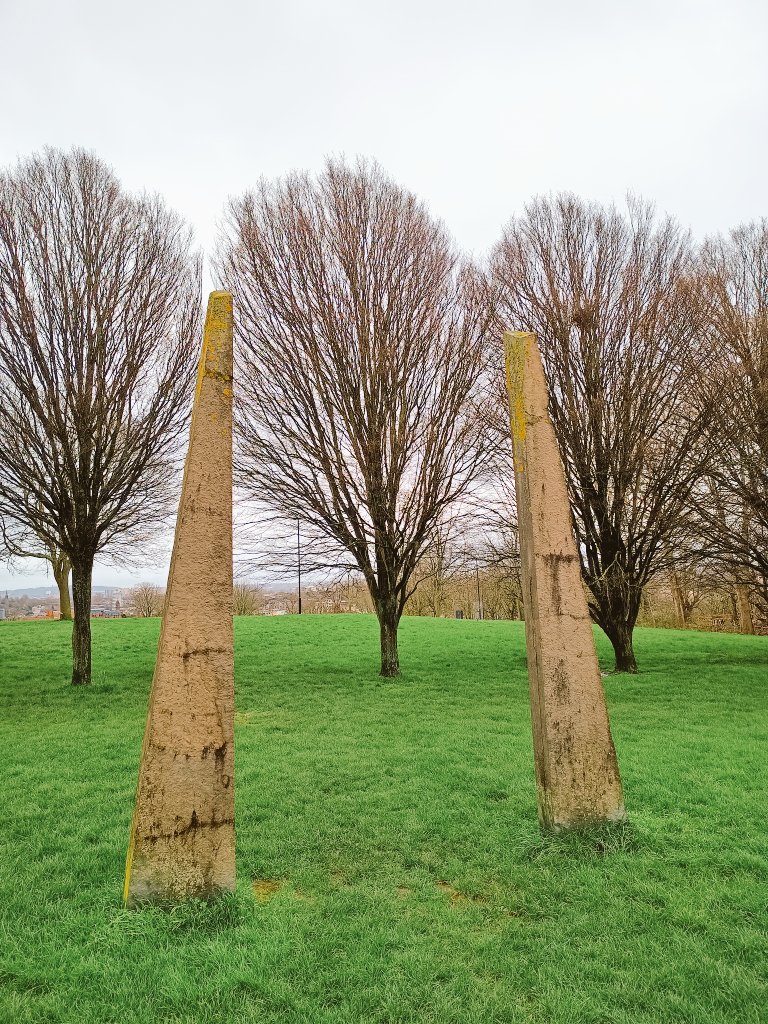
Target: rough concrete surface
(577,772)
(183,834)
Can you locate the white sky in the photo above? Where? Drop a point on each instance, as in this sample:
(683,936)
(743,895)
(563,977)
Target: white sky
(475,106)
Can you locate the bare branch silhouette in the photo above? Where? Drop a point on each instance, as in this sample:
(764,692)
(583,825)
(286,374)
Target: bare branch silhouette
(359,339)
(612,300)
(99,310)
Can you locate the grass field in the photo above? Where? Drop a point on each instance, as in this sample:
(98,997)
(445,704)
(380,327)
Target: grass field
(390,830)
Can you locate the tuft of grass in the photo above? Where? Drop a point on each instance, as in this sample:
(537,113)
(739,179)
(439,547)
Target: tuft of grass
(398,819)
(595,841)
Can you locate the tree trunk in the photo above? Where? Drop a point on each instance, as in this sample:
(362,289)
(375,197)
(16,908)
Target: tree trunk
(734,605)
(746,623)
(390,660)
(679,601)
(61,575)
(620,635)
(81,629)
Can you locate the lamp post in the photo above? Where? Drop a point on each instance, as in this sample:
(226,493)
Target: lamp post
(298,556)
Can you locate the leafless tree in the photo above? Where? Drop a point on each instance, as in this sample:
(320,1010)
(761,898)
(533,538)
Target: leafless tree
(249,600)
(99,306)
(498,547)
(439,564)
(146,600)
(502,575)
(359,341)
(690,580)
(733,385)
(16,542)
(480,578)
(611,300)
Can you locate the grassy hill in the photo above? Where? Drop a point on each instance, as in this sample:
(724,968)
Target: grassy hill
(390,863)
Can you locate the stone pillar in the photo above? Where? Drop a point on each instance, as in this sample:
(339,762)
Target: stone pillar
(577,774)
(183,833)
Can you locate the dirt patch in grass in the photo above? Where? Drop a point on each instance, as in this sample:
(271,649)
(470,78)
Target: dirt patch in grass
(457,897)
(265,888)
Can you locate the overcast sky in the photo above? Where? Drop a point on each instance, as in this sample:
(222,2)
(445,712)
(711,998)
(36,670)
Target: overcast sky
(477,106)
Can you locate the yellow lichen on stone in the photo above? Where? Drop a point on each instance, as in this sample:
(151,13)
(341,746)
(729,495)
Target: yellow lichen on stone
(514,358)
(219,314)
(128,866)
(218,322)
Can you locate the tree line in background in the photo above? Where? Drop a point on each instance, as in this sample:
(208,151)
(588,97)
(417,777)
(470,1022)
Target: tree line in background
(371,414)
(466,588)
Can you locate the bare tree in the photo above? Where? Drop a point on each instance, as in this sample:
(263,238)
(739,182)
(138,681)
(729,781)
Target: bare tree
(146,600)
(502,575)
(610,298)
(733,385)
(439,564)
(18,543)
(99,306)
(689,583)
(498,550)
(359,346)
(249,600)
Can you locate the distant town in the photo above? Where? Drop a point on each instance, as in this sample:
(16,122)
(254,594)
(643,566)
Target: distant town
(43,602)
(146,600)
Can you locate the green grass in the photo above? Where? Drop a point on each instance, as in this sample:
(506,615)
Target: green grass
(399,819)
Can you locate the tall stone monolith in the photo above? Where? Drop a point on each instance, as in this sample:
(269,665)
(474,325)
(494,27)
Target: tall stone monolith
(577,774)
(183,831)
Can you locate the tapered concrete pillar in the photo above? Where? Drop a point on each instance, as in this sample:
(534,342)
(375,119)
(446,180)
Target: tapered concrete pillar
(183,832)
(577,774)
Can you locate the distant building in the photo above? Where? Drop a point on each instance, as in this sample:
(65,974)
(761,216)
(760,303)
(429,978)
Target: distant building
(2,613)
(106,613)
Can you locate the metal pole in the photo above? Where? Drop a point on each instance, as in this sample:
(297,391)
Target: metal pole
(298,554)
